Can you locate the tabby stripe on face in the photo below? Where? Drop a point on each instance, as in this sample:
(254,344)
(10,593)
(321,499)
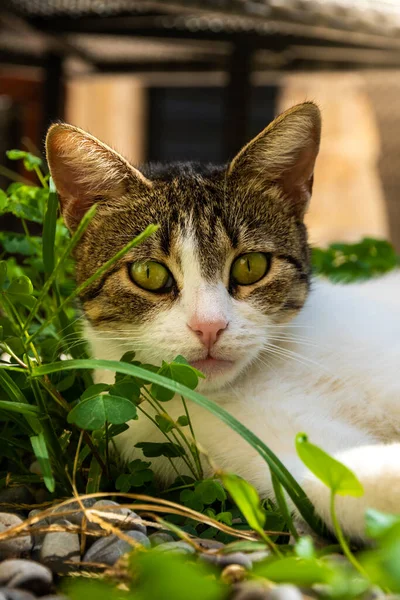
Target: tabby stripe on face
(296,264)
(95,289)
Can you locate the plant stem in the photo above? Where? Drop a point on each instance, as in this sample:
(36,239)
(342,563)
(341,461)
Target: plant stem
(41,177)
(83,225)
(166,435)
(281,501)
(196,453)
(342,540)
(159,409)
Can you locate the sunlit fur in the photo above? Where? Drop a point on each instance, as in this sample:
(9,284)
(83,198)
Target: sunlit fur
(307,355)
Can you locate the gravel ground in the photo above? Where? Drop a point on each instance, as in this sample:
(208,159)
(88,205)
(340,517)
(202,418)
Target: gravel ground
(31,565)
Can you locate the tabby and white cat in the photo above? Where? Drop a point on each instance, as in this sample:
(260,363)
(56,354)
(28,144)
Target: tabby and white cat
(226,283)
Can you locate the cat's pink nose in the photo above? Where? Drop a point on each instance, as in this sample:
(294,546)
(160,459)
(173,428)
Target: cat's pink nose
(208,331)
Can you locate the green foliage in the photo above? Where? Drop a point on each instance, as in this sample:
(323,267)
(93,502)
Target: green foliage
(51,412)
(349,262)
(330,471)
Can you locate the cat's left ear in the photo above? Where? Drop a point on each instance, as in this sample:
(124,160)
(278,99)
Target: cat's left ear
(86,171)
(283,155)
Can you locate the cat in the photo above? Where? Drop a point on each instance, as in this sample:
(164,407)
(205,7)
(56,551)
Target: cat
(226,282)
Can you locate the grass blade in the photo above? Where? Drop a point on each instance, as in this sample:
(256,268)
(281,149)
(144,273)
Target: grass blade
(42,455)
(49,229)
(19,407)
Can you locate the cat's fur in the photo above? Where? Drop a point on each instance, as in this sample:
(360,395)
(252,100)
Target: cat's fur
(308,355)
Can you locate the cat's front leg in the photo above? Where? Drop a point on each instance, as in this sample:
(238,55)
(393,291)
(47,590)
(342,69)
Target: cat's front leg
(377,467)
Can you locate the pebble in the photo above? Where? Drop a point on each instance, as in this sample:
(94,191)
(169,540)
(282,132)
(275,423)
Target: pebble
(109,549)
(233,574)
(16,546)
(158,538)
(58,547)
(27,575)
(284,592)
(249,591)
(132,521)
(208,544)
(18,494)
(9,594)
(259,555)
(223,560)
(177,548)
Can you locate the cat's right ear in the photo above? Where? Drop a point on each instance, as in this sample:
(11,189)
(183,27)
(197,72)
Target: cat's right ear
(86,171)
(282,156)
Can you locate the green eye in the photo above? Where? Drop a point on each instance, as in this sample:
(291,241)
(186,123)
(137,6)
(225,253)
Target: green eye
(152,276)
(249,268)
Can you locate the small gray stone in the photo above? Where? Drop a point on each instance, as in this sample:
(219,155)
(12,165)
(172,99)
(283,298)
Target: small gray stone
(59,547)
(9,594)
(223,560)
(26,575)
(132,521)
(259,555)
(75,517)
(158,538)
(17,546)
(38,537)
(284,592)
(250,590)
(177,548)
(19,494)
(109,549)
(208,544)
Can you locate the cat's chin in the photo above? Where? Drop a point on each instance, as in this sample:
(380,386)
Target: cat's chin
(218,373)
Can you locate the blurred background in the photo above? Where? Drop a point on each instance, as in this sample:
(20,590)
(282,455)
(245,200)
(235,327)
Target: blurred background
(196,79)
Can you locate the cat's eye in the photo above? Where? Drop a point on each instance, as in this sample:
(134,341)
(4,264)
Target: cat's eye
(250,268)
(151,275)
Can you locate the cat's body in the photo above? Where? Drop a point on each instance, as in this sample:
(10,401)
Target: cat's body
(338,382)
(226,283)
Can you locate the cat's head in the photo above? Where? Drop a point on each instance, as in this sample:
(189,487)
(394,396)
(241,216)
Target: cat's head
(229,263)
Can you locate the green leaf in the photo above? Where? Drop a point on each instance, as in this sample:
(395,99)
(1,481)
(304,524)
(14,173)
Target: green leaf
(138,465)
(94,412)
(183,421)
(49,228)
(20,285)
(127,389)
(192,500)
(153,449)
(247,500)
(224,517)
(210,490)
(3,201)
(165,423)
(15,154)
(115,430)
(167,576)
(377,523)
(330,471)
(3,272)
(299,571)
(94,390)
(42,455)
(304,547)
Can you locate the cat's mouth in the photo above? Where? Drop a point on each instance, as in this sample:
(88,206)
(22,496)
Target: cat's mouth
(210,365)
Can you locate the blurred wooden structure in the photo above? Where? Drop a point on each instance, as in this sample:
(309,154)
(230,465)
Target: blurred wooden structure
(82,43)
